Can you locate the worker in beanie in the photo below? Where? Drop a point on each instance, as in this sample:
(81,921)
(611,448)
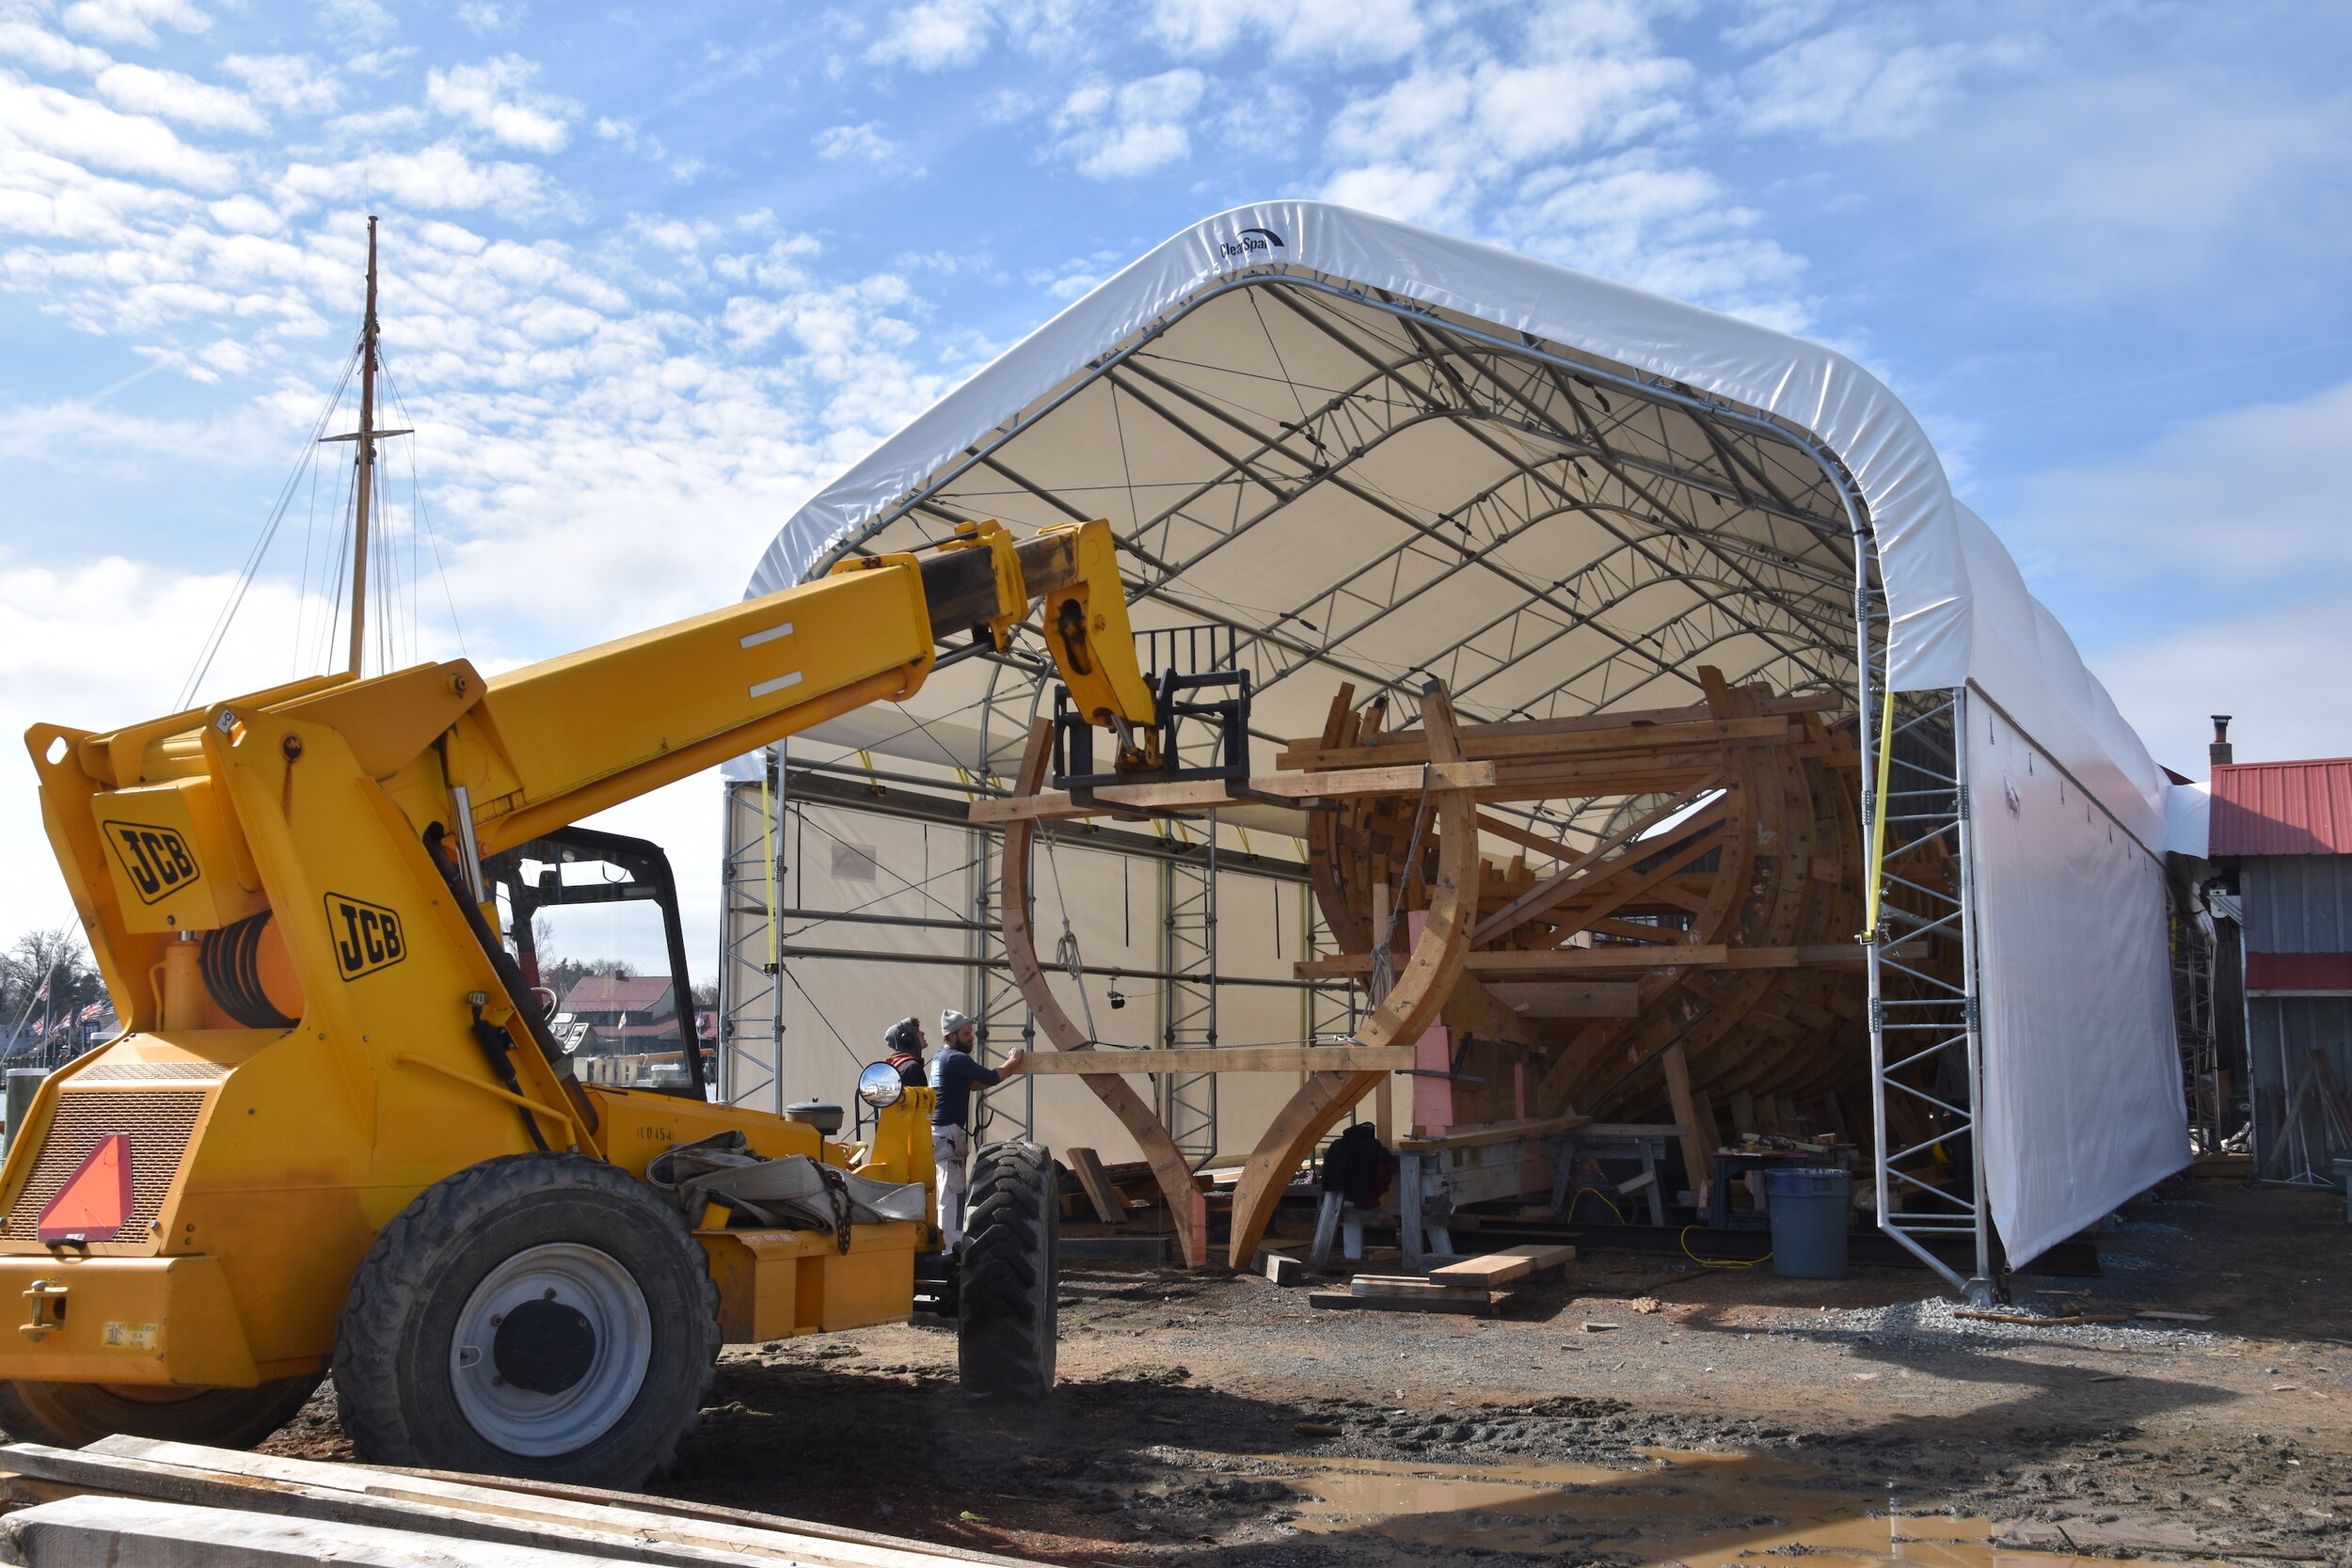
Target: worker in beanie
(954,1074)
(905,1043)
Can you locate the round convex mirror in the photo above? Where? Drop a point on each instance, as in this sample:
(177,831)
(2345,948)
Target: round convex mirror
(879,1086)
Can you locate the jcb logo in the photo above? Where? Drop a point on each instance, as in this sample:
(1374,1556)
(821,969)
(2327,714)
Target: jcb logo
(367,937)
(155,859)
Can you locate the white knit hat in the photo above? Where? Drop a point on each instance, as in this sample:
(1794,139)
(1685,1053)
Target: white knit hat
(949,1022)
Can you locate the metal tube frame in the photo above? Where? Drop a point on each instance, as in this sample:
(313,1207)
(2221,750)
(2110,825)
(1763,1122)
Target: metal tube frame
(1915,1033)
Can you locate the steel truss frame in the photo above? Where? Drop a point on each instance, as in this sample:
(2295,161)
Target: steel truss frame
(1926,1030)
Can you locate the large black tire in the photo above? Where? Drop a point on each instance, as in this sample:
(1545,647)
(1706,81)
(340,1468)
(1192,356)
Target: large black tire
(1010,1268)
(71,1415)
(545,1316)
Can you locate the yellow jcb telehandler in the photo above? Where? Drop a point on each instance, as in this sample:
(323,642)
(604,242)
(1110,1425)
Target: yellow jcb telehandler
(335,1135)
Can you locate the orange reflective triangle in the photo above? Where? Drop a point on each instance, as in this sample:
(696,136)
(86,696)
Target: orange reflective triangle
(97,1202)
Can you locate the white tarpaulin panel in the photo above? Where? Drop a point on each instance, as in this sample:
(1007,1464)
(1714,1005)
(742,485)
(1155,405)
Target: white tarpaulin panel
(1378,453)
(2077,1002)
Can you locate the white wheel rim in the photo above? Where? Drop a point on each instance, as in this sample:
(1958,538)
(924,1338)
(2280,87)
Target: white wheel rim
(535,1424)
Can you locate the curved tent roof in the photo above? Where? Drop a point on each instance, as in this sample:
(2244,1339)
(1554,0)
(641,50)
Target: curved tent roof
(1377,452)
(1345,448)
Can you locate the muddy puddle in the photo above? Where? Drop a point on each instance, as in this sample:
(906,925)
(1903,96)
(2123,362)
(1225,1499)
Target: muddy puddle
(1699,1510)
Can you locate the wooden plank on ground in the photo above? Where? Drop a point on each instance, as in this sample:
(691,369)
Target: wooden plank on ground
(475,1508)
(1228,1058)
(1087,1167)
(140,1530)
(1500,1268)
(1342,1301)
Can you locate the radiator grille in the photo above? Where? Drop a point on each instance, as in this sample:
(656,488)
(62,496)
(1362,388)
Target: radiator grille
(158,1122)
(152,1073)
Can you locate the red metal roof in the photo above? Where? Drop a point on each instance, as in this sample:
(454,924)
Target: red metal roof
(601,994)
(2283,808)
(2299,972)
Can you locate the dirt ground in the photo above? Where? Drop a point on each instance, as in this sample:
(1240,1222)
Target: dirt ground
(1216,1419)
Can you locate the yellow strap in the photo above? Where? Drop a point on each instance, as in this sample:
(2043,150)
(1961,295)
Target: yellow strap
(1878,815)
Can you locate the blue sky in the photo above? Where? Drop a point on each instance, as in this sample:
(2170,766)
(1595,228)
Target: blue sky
(655,272)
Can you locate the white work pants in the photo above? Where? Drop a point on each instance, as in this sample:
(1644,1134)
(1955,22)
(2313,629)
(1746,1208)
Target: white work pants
(951,1148)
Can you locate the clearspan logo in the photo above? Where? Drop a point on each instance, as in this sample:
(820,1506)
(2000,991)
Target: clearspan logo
(1252,241)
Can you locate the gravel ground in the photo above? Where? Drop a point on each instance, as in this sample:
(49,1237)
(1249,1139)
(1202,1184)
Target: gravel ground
(1210,1419)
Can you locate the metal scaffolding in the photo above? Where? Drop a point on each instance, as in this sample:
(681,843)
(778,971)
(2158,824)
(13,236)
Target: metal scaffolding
(1188,997)
(1927,1066)
(776,929)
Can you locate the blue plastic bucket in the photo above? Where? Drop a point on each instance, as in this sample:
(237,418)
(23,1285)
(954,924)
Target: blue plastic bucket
(1809,1209)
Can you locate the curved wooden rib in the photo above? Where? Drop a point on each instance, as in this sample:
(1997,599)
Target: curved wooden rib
(1142,1123)
(1410,1009)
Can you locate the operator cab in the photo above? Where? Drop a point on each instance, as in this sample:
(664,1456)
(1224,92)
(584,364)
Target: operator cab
(592,920)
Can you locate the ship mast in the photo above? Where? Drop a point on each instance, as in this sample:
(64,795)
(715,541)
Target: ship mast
(366,437)
(366,462)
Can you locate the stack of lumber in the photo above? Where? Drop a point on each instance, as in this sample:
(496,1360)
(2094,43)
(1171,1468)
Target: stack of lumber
(131,1501)
(1470,1285)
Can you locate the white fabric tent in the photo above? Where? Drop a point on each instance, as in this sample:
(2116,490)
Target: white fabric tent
(1371,451)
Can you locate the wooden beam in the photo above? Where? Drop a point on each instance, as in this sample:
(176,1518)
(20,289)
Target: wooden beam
(1087,1167)
(483,1512)
(1501,1132)
(1545,962)
(1500,1268)
(1170,1167)
(1552,889)
(1569,998)
(1514,742)
(1696,1153)
(1629,718)
(1424,982)
(1226,1058)
(1292,789)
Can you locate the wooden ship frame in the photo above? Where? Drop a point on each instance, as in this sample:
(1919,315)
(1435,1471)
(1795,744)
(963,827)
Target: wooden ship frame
(1696,966)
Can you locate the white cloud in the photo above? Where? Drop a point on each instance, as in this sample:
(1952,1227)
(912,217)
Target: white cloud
(486,16)
(1397,191)
(46,51)
(2165,182)
(168,95)
(295,83)
(1856,84)
(2273,671)
(134,21)
(365,19)
(496,96)
(1132,129)
(437,178)
(247,215)
(2249,500)
(863,142)
(1668,227)
(935,35)
(1567,139)
(1346,32)
(46,119)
